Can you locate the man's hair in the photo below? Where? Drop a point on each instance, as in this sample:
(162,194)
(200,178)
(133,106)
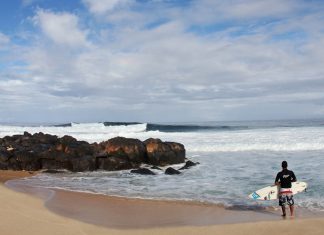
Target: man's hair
(284,164)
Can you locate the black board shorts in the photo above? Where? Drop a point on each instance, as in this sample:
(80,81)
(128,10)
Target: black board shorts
(286,199)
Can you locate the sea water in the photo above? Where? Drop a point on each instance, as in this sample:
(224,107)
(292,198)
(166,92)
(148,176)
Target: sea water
(236,158)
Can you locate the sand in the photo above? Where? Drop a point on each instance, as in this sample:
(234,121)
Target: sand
(21,213)
(9,175)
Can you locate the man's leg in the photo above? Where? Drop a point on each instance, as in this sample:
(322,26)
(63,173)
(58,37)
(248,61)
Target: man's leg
(282,203)
(290,201)
(291,210)
(283,208)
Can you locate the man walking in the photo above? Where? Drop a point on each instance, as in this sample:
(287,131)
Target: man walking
(284,179)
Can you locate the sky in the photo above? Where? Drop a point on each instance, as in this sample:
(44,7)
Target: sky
(161,60)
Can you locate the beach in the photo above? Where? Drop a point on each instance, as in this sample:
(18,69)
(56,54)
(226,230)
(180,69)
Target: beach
(161,117)
(23,213)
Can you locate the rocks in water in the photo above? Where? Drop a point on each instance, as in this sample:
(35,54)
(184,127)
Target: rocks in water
(120,153)
(164,153)
(156,168)
(113,162)
(134,149)
(44,151)
(84,163)
(189,164)
(67,153)
(172,171)
(143,171)
(24,159)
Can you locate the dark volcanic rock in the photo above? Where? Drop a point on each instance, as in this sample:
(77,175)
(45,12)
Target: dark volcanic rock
(172,171)
(25,160)
(43,151)
(68,153)
(133,148)
(53,163)
(143,171)
(188,165)
(85,163)
(42,138)
(4,158)
(156,168)
(164,153)
(113,162)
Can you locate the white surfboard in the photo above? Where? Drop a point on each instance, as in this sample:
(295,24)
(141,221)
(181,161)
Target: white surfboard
(271,192)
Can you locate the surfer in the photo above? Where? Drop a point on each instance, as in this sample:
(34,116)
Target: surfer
(284,179)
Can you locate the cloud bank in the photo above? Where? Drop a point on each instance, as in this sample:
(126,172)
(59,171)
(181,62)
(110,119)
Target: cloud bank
(167,61)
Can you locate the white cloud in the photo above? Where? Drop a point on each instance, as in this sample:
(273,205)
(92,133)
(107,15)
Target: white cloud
(148,63)
(61,28)
(103,6)
(4,39)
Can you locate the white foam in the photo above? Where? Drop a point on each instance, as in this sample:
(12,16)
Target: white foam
(91,132)
(276,139)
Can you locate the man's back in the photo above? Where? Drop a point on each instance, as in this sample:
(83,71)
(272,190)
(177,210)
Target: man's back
(285,177)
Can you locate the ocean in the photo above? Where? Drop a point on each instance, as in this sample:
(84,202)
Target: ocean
(236,158)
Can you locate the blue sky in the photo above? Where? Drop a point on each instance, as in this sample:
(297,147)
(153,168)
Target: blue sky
(161,60)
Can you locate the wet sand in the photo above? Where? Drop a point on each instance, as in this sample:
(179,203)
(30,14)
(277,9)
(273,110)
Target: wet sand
(10,175)
(126,213)
(81,213)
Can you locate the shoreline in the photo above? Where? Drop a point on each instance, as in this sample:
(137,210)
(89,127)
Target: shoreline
(6,175)
(122,212)
(125,213)
(26,214)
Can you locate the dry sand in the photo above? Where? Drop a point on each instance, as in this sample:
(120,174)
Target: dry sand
(22,213)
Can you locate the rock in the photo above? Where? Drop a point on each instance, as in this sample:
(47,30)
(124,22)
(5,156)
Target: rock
(4,158)
(172,171)
(43,151)
(25,160)
(143,171)
(133,148)
(164,153)
(156,168)
(188,165)
(26,134)
(113,162)
(85,163)
(44,138)
(5,155)
(54,164)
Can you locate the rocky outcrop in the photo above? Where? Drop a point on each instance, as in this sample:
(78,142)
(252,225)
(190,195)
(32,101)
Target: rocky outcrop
(164,153)
(143,171)
(189,164)
(134,149)
(44,151)
(156,168)
(172,171)
(114,162)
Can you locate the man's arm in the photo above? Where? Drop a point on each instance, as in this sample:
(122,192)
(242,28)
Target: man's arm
(293,177)
(277,180)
